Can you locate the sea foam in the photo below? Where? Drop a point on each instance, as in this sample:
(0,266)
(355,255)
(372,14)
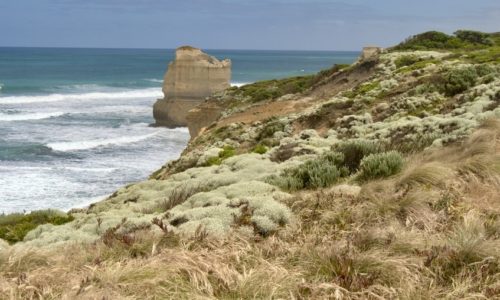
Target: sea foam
(239,84)
(57,169)
(154,80)
(26,117)
(90,144)
(142,93)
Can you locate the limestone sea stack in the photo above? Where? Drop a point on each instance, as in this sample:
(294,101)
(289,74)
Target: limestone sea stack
(190,78)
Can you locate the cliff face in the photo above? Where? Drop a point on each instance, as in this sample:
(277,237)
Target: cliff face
(190,78)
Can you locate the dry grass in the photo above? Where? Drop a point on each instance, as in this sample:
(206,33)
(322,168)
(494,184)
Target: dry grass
(431,232)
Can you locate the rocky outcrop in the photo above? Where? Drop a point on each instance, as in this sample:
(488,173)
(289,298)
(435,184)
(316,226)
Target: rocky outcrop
(370,51)
(190,78)
(202,116)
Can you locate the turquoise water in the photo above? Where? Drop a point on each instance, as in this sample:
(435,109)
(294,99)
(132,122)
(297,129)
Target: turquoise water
(74,122)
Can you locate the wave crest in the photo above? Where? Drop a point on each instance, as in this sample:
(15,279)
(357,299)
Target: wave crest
(27,117)
(154,80)
(239,84)
(142,93)
(90,144)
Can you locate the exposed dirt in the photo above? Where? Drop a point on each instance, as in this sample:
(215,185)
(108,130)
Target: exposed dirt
(330,86)
(345,79)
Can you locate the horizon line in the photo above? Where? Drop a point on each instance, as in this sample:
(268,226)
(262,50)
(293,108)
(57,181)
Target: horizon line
(138,48)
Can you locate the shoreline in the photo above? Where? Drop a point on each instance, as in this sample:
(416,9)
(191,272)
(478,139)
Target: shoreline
(94,199)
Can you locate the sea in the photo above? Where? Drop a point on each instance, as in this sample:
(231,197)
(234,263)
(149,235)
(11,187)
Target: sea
(75,123)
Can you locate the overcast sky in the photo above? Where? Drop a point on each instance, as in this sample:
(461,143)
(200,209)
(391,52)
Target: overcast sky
(236,24)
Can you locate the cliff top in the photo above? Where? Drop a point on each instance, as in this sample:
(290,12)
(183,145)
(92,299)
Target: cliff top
(188,48)
(196,54)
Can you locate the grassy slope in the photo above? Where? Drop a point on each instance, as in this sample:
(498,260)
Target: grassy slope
(427,230)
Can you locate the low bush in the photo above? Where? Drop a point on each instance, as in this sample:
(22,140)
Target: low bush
(429,40)
(406,60)
(418,65)
(457,81)
(362,89)
(381,165)
(225,153)
(354,151)
(14,227)
(259,149)
(270,128)
(462,39)
(491,54)
(474,37)
(272,89)
(316,173)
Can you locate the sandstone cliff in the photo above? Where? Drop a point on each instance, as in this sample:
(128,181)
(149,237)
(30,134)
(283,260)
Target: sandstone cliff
(190,78)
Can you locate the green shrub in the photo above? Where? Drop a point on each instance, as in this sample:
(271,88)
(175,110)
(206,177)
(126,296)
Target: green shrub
(457,81)
(485,69)
(429,40)
(362,89)
(461,40)
(381,165)
(365,88)
(316,173)
(260,149)
(491,54)
(14,227)
(270,128)
(272,89)
(474,37)
(213,161)
(418,65)
(406,60)
(225,153)
(311,174)
(354,151)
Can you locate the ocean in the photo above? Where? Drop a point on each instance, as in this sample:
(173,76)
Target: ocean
(74,123)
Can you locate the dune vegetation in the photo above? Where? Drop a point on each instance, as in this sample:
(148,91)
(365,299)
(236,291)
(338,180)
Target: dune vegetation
(379,180)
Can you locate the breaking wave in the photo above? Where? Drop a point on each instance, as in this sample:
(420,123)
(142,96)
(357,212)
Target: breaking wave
(239,84)
(142,93)
(90,144)
(154,80)
(27,117)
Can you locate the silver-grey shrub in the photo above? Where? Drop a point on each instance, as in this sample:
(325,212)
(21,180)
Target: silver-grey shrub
(381,165)
(316,173)
(354,151)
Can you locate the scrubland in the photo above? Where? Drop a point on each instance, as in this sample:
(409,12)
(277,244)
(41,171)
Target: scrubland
(379,180)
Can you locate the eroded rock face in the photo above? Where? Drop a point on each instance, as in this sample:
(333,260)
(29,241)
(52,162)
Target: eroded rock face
(190,78)
(202,116)
(370,51)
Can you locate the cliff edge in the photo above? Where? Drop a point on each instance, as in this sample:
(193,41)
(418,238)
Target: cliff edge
(190,78)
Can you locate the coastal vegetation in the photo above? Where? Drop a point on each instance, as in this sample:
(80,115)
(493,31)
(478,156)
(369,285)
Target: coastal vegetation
(276,88)
(437,40)
(14,227)
(474,46)
(375,181)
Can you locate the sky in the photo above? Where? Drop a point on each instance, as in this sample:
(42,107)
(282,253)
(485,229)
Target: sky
(236,24)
